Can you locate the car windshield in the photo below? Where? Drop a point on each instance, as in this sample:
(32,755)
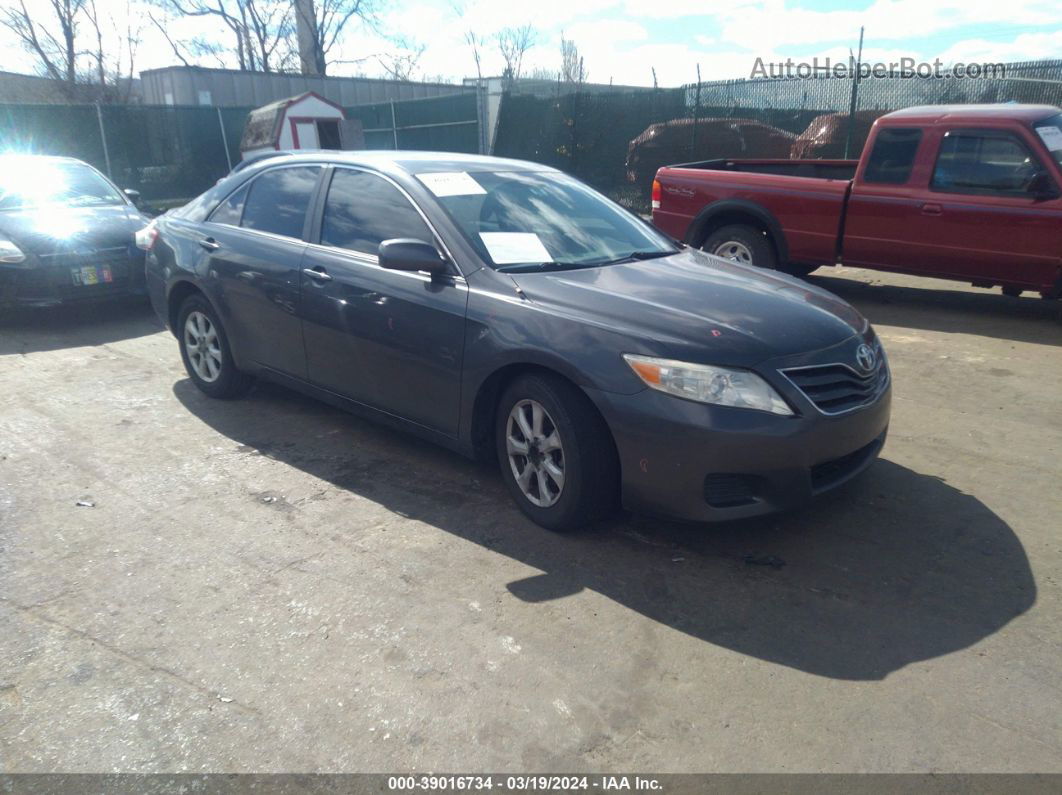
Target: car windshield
(27,182)
(1050,132)
(527,220)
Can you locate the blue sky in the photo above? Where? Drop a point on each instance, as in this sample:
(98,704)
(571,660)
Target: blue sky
(623,40)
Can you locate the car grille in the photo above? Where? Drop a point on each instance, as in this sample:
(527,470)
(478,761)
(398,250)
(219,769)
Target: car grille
(730,490)
(830,473)
(117,258)
(837,388)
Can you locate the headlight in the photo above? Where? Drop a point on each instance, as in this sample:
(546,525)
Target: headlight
(706,383)
(10,253)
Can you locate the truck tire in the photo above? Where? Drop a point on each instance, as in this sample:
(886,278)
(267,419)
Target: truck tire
(749,246)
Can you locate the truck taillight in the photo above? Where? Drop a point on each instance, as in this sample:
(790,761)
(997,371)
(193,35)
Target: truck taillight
(656,194)
(145,238)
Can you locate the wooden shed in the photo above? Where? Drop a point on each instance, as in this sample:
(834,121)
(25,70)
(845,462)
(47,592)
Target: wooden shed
(306,121)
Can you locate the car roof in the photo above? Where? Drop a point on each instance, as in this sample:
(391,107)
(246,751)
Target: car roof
(413,162)
(930,114)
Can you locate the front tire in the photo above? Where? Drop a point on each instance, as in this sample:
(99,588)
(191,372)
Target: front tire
(206,353)
(555,452)
(748,245)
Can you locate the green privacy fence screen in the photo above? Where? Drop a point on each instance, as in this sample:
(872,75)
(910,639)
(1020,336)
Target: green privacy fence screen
(445,124)
(590,135)
(175,152)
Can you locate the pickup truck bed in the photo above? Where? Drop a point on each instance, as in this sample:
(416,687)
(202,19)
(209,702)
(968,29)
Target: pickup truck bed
(956,192)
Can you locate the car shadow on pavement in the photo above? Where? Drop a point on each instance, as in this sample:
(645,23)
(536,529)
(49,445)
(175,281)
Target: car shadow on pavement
(988,313)
(895,568)
(52,328)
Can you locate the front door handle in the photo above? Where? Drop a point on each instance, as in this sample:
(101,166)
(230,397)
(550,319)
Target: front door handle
(317,274)
(210,244)
(931,208)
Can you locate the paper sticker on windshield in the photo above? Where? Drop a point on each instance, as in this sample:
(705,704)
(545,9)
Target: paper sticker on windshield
(451,183)
(507,248)
(1052,138)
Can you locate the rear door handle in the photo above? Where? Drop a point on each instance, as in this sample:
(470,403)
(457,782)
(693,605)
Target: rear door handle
(932,209)
(210,244)
(317,274)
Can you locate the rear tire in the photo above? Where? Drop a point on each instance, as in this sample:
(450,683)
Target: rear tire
(206,353)
(748,245)
(558,461)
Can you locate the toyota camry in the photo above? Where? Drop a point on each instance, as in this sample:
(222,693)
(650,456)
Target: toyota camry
(506,310)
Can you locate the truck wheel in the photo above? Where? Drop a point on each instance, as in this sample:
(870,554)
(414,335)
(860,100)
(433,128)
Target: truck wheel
(555,453)
(743,244)
(749,246)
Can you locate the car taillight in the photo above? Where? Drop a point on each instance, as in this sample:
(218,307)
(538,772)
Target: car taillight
(656,194)
(145,238)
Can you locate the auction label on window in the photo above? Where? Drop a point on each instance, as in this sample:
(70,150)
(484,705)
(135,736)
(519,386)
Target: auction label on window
(507,248)
(1052,137)
(451,183)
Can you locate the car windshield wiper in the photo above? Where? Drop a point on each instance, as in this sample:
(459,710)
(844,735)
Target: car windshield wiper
(642,255)
(531,267)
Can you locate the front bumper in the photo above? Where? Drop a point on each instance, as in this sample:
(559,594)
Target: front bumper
(698,462)
(49,280)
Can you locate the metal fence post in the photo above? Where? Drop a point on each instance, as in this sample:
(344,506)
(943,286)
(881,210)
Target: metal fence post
(103,139)
(696,113)
(224,138)
(855,97)
(394,125)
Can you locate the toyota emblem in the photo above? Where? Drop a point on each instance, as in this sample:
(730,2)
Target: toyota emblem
(865,358)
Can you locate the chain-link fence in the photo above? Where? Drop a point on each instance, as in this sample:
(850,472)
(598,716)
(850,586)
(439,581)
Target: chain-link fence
(175,152)
(445,124)
(616,141)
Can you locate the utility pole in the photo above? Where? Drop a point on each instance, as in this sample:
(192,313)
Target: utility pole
(855,96)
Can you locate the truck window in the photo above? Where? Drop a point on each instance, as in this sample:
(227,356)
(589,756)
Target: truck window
(1050,132)
(983,162)
(893,155)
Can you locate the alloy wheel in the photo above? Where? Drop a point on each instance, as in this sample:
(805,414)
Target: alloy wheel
(203,346)
(536,453)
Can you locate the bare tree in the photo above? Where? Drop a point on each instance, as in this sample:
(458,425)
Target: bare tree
(401,63)
(113,52)
(573,70)
(52,42)
(513,43)
(475,42)
(324,22)
(261,30)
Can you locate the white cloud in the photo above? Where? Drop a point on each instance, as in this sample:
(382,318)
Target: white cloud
(1026,47)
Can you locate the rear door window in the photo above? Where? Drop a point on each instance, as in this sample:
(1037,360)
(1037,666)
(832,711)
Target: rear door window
(893,155)
(230,210)
(278,200)
(362,210)
(984,162)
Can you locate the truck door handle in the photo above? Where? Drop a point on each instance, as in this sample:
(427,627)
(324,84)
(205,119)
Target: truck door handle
(932,209)
(210,244)
(317,274)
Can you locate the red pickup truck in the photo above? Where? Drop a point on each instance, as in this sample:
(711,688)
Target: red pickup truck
(968,192)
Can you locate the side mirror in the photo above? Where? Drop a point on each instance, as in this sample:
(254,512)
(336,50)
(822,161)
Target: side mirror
(407,254)
(1042,187)
(132,195)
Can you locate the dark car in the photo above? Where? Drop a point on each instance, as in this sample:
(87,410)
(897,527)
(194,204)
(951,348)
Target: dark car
(502,308)
(66,233)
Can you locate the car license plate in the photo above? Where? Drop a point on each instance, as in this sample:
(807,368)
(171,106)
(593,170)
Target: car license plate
(91,274)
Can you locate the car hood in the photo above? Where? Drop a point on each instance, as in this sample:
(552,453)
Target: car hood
(734,313)
(52,230)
